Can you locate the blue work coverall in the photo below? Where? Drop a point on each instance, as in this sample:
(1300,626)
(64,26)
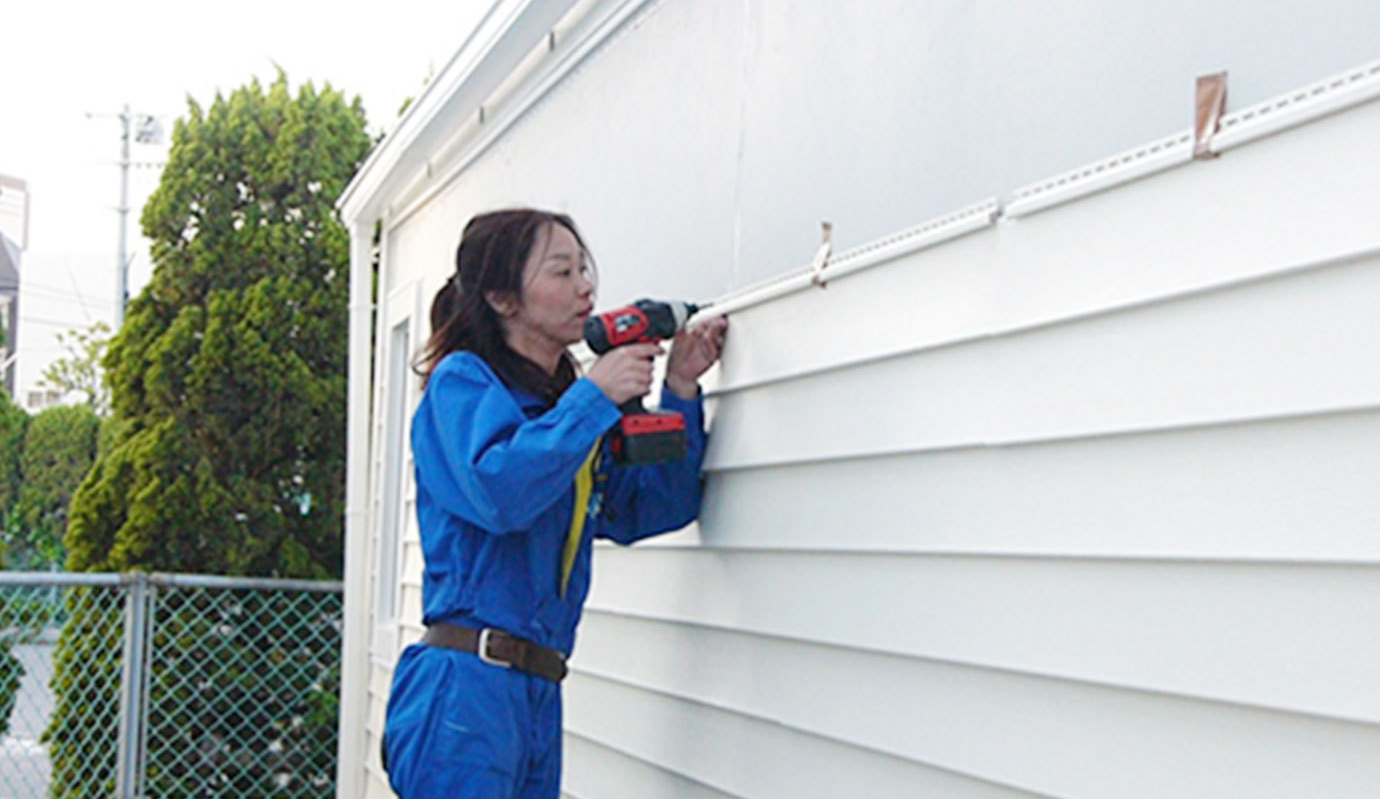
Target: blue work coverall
(495,494)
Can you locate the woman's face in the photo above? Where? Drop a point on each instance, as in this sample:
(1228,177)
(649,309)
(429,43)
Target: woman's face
(557,298)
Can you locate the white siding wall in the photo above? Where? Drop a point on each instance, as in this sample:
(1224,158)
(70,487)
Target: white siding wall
(1081,504)
(702,143)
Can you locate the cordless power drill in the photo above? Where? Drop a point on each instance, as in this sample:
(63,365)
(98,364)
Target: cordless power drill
(642,436)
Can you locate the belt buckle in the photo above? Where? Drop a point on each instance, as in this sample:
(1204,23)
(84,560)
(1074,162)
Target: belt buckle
(483,650)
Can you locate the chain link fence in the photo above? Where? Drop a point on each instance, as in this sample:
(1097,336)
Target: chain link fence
(167,686)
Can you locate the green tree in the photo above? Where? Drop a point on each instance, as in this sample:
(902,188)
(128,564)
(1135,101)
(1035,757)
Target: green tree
(80,369)
(59,447)
(228,389)
(230,367)
(14,422)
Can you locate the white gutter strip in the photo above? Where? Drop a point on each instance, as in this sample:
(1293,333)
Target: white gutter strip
(1125,167)
(926,234)
(1336,93)
(1324,97)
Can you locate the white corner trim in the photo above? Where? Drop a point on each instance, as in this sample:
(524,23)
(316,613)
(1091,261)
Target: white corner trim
(354,678)
(1336,93)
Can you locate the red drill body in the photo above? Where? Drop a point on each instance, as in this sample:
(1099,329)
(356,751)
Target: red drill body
(642,436)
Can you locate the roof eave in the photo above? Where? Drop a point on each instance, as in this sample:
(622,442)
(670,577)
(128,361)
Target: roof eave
(500,41)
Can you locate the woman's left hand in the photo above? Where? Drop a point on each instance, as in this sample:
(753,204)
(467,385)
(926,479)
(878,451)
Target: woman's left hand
(693,351)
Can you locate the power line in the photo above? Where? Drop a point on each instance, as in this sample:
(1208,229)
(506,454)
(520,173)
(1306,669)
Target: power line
(64,297)
(38,320)
(52,291)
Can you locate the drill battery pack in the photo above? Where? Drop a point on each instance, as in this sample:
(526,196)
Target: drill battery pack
(642,438)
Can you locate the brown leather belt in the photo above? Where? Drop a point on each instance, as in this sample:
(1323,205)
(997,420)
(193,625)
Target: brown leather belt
(498,648)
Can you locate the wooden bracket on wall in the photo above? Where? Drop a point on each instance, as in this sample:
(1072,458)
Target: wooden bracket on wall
(822,254)
(1210,103)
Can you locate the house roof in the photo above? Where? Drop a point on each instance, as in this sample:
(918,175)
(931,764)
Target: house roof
(502,39)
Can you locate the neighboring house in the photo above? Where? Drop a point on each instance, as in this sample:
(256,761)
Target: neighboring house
(14,210)
(1066,492)
(14,238)
(11,257)
(63,292)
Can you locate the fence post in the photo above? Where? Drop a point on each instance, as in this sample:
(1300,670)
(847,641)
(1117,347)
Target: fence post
(132,718)
(146,677)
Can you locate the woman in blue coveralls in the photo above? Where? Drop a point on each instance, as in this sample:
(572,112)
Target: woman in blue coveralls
(512,486)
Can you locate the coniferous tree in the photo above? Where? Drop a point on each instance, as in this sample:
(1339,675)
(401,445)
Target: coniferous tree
(14,422)
(225,451)
(229,371)
(59,446)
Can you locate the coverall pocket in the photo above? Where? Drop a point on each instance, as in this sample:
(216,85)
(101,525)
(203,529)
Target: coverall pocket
(453,767)
(462,741)
(451,728)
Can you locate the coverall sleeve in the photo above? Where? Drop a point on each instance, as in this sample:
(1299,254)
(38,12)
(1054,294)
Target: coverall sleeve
(647,500)
(483,460)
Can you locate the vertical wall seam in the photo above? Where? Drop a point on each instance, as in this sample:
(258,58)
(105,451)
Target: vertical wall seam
(748,52)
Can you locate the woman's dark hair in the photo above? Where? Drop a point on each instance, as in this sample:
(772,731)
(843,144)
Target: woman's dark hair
(492,254)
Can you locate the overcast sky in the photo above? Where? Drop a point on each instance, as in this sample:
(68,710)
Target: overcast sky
(60,61)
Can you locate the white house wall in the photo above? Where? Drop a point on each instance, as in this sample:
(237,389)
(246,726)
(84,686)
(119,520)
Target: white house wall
(1088,511)
(702,143)
(877,115)
(1079,504)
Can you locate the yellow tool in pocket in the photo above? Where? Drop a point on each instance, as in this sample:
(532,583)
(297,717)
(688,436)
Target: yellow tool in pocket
(584,486)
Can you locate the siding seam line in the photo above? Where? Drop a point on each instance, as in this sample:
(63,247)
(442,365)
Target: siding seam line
(978,666)
(862,747)
(591,740)
(1054,439)
(1323,263)
(996,555)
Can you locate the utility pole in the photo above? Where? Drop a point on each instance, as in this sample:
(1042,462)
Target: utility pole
(144,129)
(121,259)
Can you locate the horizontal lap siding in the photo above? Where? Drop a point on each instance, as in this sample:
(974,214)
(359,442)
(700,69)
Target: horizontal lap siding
(413,563)
(742,756)
(1287,345)
(1080,505)
(593,771)
(376,782)
(1052,736)
(1284,489)
(1288,636)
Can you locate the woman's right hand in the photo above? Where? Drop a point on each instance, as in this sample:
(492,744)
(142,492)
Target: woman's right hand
(626,372)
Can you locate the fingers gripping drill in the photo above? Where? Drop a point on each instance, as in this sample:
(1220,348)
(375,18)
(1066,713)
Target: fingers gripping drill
(642,436)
